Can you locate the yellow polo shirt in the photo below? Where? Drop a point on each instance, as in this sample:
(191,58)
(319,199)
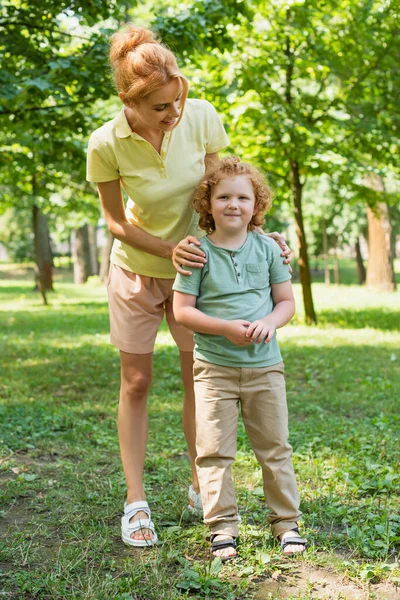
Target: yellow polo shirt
(160,186)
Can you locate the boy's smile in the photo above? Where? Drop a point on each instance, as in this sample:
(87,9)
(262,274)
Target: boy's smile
(232,204)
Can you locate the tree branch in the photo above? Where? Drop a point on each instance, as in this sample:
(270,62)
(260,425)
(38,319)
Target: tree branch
(43,28)
(35,108)
(360,79)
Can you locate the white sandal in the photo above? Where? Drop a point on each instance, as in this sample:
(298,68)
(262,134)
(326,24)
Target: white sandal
(197,507)
(128,527)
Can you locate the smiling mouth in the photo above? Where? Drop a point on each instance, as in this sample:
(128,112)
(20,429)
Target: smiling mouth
(171,121)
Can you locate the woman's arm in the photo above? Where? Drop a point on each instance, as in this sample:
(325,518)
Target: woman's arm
(114,212)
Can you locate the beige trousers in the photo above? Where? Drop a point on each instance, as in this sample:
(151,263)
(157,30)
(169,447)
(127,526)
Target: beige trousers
(262,395)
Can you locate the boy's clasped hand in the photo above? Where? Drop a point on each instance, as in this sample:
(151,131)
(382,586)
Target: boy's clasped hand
(243,333)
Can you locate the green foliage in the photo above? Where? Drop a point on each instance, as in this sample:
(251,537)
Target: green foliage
(16,235)
(52,54)
(203,580)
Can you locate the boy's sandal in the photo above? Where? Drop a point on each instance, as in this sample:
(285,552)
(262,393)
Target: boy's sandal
(229,542)
(128,527)
(292,541)
(197,508)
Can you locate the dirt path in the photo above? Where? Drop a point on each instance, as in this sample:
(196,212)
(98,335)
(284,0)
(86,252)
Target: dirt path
(321,584)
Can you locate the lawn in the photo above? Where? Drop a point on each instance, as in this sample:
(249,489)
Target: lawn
(63,487)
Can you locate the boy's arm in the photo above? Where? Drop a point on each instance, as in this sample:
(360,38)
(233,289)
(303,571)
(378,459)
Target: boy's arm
(282,295)
(187,314)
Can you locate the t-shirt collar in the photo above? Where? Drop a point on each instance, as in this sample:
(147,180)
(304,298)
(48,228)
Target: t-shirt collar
(249,233)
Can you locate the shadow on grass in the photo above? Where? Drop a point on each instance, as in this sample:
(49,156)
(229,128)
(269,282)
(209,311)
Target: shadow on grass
(374,318)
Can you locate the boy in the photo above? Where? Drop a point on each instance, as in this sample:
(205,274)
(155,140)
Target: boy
(234,305)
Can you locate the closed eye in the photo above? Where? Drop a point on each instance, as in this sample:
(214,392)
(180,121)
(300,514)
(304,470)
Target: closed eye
(161,107)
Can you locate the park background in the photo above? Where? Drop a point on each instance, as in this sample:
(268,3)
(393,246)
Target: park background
(309,92)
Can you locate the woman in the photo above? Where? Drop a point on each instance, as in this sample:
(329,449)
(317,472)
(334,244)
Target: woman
(156,149)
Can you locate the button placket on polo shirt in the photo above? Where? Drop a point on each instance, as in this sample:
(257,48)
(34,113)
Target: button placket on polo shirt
(163,155)
(235,266)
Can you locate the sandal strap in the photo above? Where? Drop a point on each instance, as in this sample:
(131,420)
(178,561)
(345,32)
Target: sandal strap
(293,541)
(139,525)
(131,509)
(228,543)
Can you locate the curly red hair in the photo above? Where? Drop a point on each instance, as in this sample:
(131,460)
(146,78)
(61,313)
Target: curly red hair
(226,168)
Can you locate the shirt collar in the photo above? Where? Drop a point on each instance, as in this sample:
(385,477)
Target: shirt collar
(122,127)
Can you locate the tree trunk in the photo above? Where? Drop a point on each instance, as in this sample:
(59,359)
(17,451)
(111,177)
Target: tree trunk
(82,262)
(380,272)
(361,274)
(326,256)
(43,253)
(336,268)
(105,258)
(94,260)
(305,276)
(70,253)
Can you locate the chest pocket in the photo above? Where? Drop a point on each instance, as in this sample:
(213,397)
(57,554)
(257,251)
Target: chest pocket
(257,274)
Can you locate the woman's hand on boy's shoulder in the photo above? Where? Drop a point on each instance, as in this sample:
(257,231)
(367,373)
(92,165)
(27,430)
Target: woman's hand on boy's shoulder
(185,254)
(279,238)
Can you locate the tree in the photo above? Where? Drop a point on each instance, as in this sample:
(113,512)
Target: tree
(285,81)
(82,258)
(380,271)
(52,53)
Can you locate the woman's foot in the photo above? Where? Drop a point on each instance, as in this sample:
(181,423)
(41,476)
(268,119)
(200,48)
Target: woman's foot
(292,542)
(223,546)
(137,528)
(195,503)
(141,534)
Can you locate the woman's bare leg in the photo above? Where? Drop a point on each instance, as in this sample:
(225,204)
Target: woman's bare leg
(188,414)
(136,373)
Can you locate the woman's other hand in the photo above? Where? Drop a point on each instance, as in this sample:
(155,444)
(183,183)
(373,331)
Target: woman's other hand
(280,240)
(188,255)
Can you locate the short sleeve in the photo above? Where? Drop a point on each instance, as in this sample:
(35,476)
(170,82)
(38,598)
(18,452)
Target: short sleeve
(215,135)
(101,164)
(188,284)
(278,271)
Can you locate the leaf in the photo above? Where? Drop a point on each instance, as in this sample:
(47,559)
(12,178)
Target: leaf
(264,557)
(216,566)
(28,476)
(174,529)
(38,82)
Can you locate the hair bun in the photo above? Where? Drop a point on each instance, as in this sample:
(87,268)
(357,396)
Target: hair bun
(129,39)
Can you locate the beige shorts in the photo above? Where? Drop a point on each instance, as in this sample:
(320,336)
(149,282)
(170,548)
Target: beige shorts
(137,305)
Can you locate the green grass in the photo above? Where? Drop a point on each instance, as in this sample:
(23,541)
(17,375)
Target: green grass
(63,487)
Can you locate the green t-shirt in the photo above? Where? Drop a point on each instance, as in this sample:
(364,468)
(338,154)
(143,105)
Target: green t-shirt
(236,284)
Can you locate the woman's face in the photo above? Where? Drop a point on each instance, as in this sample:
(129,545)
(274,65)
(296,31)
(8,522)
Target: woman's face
(160,109)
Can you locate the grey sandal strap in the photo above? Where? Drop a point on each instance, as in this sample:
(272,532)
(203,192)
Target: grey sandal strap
(228,543)
(293,541)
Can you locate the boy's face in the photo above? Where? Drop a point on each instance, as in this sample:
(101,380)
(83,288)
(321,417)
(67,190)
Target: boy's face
(233,204)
